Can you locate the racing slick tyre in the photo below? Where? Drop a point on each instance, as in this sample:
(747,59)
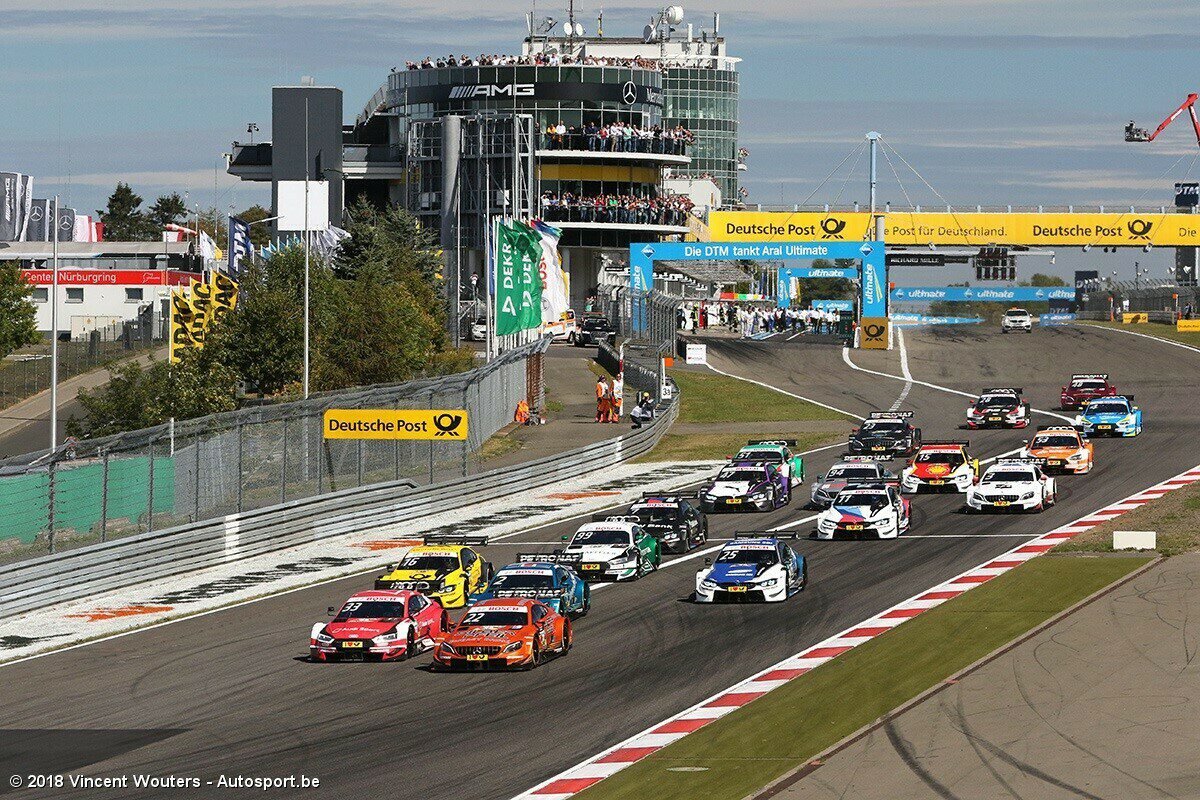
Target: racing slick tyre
(566,640)
(657,560)
(587,602)
(804,576)
(410,645)
(536,658)
(444,625)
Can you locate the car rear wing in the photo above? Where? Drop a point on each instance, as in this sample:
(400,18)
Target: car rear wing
(1099,376)
(1080,429)
(1018,461)
(765,535)
(783,442)
(670,497)
(945,443)
(467,540)
(890,415)
(535,594)
(616,518)
(1005,390)
(558,557)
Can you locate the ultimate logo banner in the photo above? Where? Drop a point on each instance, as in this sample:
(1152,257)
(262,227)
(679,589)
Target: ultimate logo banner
(962,229)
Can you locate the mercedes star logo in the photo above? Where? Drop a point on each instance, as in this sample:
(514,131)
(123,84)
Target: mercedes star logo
(629,93)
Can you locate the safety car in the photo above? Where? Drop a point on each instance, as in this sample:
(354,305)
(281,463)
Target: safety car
(885,434)
(1001,407)
(556,585)
(1061,448)
(755,567)
(1083,388)
(1012,484)
(617,549)
(446,568)
(751,485)
(851,471)
(1016,319)
(503,634)
(940,466)
(379,626)
(871,511)
(672,519)
(1110,416)
(776,452)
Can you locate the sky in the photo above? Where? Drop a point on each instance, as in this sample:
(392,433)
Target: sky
(993,102)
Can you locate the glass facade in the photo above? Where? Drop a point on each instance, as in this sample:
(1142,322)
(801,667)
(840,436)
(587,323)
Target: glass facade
(705,101)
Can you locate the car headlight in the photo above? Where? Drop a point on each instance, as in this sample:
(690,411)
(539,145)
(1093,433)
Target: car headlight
(767,583)
(448,588)
(1076,457)
(512,648)
(449,648)
(324,638)
(708,585)
(386,638)
(1028,496)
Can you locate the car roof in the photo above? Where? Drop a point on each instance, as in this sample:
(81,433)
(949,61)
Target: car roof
(528,568)
(437,549)
(624,527)
(751,544)
(506,604)
(382,594)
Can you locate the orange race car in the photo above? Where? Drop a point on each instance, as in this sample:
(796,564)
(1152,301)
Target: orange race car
(503,633)
(1061,448)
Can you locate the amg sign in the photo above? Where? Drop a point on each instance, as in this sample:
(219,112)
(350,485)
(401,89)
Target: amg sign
(491,90)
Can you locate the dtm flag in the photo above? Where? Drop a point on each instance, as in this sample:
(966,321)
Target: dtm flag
(554,280)
(239,246)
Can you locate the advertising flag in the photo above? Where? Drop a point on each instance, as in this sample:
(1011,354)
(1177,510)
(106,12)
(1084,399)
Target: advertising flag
(239,245)
(38,229)
(183,318)
(11,203)
(518,284)
(66,224)
(224,296)
(202,303)
(554,280)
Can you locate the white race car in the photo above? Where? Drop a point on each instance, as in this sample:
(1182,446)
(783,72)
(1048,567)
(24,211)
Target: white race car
(1016,319)
(753,567)
(617,549)
(1016,484)
(874,511)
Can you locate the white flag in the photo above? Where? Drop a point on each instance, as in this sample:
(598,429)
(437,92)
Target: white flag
(555,300)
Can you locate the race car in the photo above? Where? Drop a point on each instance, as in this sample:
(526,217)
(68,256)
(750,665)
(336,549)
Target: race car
(1061,448)
(885,434)
(594,329)
(738,486)
(1012,484)
(874,511)
(1016,319)
(1110,416)
(445,568)
(556,585)
(1002,407)
(776,452)
(754,567)
(379,626)
(848,473)
(618,549)
(677,524)
(1083,388)
(502,634)
(940,466)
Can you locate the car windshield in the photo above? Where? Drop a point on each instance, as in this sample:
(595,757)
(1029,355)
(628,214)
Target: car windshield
(1107,408)
(1016,313)
(525,580)
(883,426)
(595,324)
(372,609)
(852,473)
(601,537)
(997,401)
(487,618)
(429,563)
(1008,476)
(745,555)
(1055,440)
(954,459)
(741,476)
(874,499)
(765,456)
(656,514)
(1089,386)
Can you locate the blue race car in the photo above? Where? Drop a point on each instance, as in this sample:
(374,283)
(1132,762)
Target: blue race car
(553,584)
(755,567)
(1111,416)
(744,485)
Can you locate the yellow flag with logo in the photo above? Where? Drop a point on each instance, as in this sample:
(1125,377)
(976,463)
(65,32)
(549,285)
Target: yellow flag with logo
(183,319)
(224,295)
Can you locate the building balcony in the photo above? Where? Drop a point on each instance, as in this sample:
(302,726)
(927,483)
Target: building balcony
(582,147)
(649,228)
(253,162)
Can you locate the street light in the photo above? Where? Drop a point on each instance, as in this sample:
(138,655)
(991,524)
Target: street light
(251,129)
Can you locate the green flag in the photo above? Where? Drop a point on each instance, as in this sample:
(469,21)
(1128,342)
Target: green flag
(518,284)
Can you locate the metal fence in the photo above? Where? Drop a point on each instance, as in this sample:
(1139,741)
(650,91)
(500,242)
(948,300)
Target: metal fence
(1168,297)
(27,371)
(210,467)
(650,319)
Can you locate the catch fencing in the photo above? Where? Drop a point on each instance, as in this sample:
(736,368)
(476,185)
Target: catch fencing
(207,468)
(1167,298)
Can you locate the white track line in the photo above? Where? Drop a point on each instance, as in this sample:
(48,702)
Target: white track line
(1145,336)
(908,381)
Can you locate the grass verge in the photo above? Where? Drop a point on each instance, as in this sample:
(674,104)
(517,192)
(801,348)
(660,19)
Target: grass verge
(776,733)
(715,446)
(709,397)
(1152,329)
(1175,517)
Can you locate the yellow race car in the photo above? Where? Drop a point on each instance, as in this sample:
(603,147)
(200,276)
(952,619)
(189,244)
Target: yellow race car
(449,572)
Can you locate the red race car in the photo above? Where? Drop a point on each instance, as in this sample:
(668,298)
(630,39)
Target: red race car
(504,633)
(1084,388)
(380,625)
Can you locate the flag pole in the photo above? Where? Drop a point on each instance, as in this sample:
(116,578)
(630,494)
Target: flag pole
(54,336)
(307,170)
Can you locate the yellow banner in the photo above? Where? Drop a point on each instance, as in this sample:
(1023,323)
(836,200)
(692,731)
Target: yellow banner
(224,295)
(1135,316)
(969,229)
(447,425)
(873,333)
(1188,325)
(183,326)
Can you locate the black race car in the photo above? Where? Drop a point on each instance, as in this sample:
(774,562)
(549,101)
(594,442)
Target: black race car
(885,434)
(677,524)
(593,329)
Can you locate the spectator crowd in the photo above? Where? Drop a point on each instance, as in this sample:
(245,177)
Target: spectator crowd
(619,137)
(552,59)
(751,320)
(620,208)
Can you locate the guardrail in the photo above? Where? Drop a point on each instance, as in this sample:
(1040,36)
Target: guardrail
(98,568)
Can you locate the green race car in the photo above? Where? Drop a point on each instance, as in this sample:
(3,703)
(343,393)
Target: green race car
(617,549)
(776,453)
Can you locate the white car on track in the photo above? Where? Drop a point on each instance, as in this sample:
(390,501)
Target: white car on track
(865,512)
(1016,319)
(755,566)
(1016,484)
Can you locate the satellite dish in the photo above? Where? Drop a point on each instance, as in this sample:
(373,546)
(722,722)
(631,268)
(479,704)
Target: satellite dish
(567,29)
(648,34)
(579,29)
(675,14)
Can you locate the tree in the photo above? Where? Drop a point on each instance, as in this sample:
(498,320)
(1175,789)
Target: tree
(1040,279)
(123,219)
(17,313)
(169,209)
(259,234)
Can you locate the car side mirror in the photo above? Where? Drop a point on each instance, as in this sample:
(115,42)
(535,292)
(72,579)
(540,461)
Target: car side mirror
(1135,408)
(332,611)
(708,562)
(821,477)
(564,538)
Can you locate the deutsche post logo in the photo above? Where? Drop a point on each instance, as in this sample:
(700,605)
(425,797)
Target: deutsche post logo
(832,227)
(1140,228)
(448,425)
(874,331)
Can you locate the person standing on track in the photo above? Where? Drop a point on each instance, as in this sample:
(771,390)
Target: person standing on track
(601,400)
(618,396)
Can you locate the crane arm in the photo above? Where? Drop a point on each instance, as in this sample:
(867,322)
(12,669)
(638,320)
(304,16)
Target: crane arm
(1188,105)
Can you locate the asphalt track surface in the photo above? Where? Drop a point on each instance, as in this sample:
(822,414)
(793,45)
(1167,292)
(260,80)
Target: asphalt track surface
(230,693)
